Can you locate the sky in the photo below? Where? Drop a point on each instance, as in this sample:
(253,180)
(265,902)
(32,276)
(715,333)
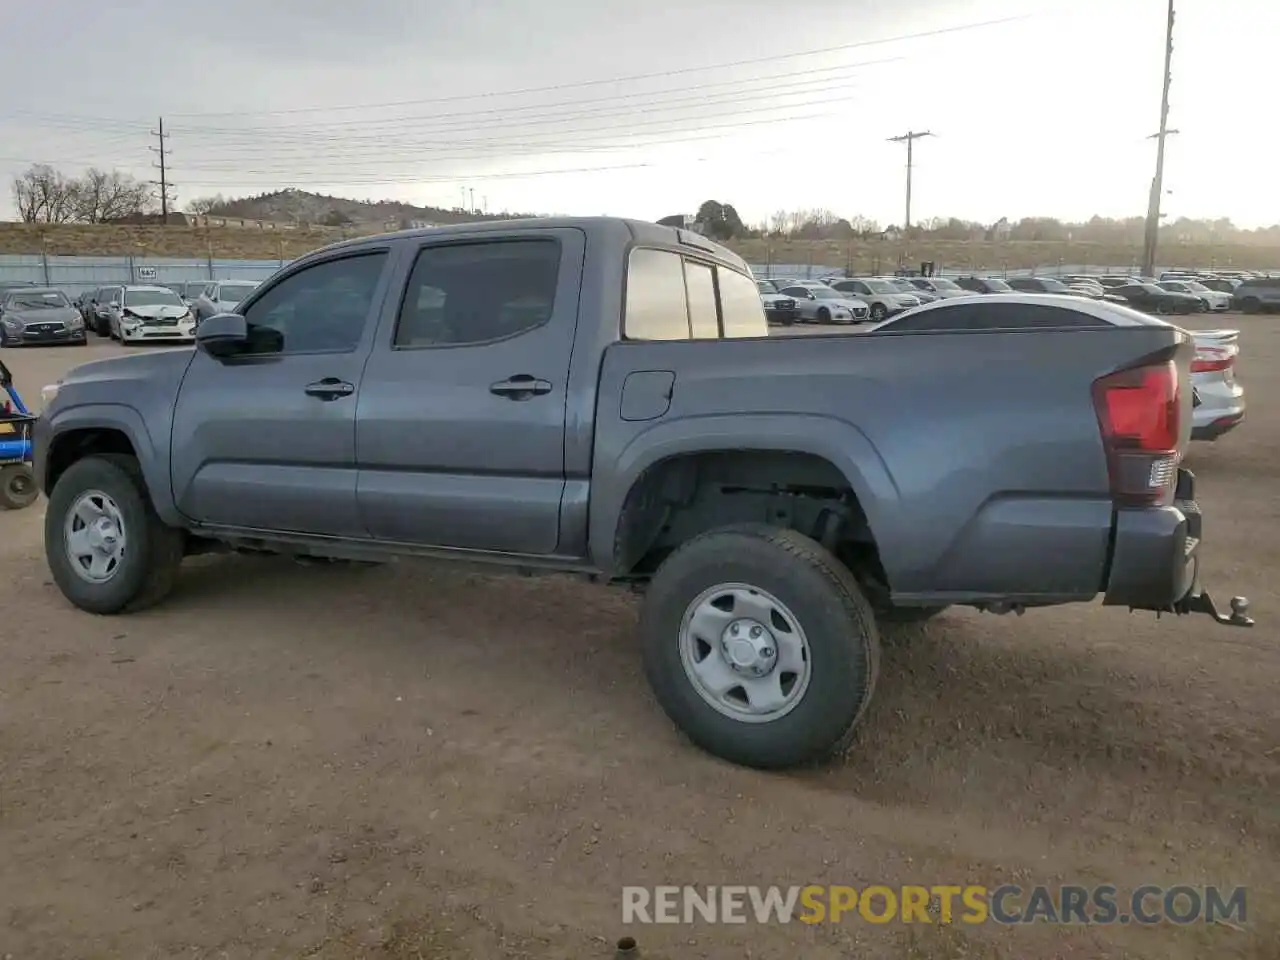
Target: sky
(1038,107)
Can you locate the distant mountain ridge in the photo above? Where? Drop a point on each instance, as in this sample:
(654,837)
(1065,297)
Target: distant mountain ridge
(301,206)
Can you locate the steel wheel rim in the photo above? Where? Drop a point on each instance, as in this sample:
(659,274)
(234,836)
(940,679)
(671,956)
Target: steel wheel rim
(94,537)
(19,484)
(745,653)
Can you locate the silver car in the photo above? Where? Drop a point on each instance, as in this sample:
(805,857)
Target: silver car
(882,298)
(940,287)
(1218,404)
(907,287)
(818,303)
(221,296)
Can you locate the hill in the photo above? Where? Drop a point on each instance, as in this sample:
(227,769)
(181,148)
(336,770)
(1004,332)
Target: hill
(302,207)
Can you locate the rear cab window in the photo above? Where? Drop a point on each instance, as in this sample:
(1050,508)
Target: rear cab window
(673,297)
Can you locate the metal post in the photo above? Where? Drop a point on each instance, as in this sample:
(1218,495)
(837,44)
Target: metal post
(1157,182)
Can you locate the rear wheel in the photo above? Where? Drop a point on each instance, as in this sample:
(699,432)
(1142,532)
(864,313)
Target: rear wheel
(107,549)
(760,646)
(17,486)
(824,315)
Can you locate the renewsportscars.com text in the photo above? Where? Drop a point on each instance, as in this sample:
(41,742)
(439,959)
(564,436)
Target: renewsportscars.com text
(971,904)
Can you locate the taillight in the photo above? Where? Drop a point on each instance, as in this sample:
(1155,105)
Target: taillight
(1140,413)
(1210,359)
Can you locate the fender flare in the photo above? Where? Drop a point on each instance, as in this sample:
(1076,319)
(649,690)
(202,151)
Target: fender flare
(841,443)
(124,419)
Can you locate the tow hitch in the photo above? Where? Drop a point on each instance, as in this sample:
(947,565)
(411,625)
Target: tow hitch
(1201,602)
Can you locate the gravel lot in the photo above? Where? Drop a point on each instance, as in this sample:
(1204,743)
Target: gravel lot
(415,761)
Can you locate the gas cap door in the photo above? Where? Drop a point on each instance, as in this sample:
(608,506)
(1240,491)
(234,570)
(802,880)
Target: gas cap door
(646,394)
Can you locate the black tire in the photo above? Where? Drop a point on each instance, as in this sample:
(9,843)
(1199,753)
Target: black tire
(878,312)
(150,565)
(824,315)
(17,486)
(838,623)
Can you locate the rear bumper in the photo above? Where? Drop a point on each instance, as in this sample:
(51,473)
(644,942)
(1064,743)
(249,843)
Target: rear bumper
(1218,426)
(1155,561)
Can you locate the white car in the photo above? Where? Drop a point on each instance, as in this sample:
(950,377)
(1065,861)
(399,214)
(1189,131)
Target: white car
(150,314)
(1218,404)
(1214,301)
(818,303)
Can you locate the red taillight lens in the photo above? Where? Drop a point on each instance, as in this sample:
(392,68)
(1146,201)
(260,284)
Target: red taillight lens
(1210,359)
(1140,413)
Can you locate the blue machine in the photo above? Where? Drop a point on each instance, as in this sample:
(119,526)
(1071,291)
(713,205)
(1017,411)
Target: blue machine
(17,480)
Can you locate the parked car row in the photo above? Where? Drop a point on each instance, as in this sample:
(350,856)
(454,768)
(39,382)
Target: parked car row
(129,313)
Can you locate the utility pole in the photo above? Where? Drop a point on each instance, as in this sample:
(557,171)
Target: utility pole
(909,138)
(472,207)
(1157,182)
(163,183)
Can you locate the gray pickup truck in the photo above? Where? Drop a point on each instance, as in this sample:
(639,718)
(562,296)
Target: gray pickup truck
(602,397)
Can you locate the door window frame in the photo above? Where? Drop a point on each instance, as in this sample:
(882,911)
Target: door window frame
(416,248)
(372,317)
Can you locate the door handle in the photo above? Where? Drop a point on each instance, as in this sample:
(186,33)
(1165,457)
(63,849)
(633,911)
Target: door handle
(330,388)
(520,387)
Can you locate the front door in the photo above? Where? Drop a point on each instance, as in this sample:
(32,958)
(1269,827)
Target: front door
(266,439)
(461,422)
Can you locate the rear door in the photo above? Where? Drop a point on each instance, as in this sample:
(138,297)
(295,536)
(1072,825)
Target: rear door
(266,439)
(461,420)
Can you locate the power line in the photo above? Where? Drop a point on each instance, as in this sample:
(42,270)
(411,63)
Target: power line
(514,113)
(1152,235)
(909,138)
(579,84)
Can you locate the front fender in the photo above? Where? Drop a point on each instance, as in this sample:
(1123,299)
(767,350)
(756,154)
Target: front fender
(108,416)
(837,441)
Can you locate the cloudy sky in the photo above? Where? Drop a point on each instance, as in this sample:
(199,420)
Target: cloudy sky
(1040,107)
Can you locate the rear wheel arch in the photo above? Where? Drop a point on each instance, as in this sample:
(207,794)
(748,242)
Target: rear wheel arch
(680,497)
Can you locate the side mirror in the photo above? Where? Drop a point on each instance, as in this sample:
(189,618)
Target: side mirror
(222,335)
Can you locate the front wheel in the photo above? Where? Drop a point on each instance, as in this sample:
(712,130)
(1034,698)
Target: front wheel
(17,486)
(107,549)
(824,315)
(760,646)
(879,312)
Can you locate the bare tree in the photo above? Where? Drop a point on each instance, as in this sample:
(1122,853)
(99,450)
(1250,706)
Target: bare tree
(45,195)
(203,205)
(104,196)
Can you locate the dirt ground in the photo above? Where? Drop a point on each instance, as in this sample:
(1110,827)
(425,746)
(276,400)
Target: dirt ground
(419,762)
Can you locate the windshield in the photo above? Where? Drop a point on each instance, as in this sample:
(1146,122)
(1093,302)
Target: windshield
(1151,288)
(196,287)
(765,287)
(998,285)
(151,298)
(1197,286)
(943,285)
(904,285)
(880,286)
(37,300)
(1054,286)
(234,292)
(826,293)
